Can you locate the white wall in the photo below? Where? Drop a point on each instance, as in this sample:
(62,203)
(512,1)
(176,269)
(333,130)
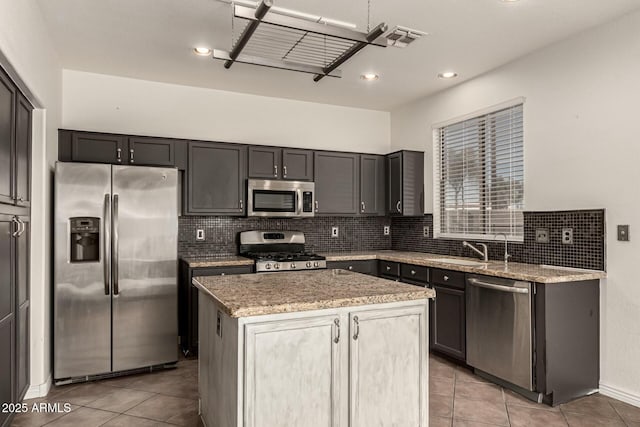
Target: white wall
(27,52)
(581,151)
(123,105)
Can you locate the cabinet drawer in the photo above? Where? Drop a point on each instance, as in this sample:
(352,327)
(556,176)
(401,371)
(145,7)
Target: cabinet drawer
(388,268)
(455,279)
(360,266)
(221,271)
(416,273)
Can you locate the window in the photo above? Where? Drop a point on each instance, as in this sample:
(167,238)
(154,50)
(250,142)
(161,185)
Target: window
(479,175)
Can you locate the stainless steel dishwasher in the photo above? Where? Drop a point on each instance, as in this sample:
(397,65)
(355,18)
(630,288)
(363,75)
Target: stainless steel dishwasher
(499,329)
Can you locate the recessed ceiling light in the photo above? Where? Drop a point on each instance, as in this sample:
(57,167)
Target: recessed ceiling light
(448,75)
(202,51)
(508,1)
(369,76)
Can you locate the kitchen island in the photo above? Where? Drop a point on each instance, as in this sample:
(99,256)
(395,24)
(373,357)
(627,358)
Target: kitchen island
(312,348)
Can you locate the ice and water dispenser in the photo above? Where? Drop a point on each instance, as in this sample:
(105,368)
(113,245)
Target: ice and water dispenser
(85,239)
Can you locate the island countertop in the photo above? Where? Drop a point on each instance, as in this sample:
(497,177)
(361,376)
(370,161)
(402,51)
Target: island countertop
(271,293)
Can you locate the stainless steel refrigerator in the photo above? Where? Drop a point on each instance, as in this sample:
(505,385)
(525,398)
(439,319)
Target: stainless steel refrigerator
(115,271)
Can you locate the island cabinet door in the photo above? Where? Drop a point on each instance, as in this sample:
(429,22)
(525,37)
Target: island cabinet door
(388,360)
(292,373)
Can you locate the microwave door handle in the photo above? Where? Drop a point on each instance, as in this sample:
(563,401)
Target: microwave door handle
(299,200)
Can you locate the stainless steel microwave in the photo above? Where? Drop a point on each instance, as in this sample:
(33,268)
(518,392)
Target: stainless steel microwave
(272,198)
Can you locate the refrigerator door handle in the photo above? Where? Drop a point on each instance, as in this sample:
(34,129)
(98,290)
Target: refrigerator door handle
(106,238)
(114,261)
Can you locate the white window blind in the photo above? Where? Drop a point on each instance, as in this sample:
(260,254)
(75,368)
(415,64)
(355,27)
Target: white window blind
(479,176)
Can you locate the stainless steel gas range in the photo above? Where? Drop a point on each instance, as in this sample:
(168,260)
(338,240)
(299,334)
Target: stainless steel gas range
(279,251)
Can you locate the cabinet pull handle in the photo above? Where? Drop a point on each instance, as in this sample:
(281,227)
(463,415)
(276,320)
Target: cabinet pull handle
(356,327)
(23,227)
(351,267)
(275,170)
(241,205)
(388,268)
(398,207)
(362,206)
(413,272)
(119,154)
(284,171)
(337,338)
(316,206)
(131,155)
(446,278)
(17,230)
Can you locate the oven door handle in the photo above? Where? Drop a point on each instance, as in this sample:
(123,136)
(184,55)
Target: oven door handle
(299,201)
(511,289)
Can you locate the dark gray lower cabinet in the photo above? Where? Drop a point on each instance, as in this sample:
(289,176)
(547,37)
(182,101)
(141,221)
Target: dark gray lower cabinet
(188,301)
(7,354)
(369,266)
(22,308)
(448,313)
(372,194)
(216,179)
(337,183)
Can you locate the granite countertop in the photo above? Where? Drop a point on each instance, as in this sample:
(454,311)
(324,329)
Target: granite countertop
(217,261)
(271,293)
(513,270)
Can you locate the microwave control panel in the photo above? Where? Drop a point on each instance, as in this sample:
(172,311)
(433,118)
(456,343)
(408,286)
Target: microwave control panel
(307,201)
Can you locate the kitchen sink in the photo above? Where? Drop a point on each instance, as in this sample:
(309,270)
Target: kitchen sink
(455,261)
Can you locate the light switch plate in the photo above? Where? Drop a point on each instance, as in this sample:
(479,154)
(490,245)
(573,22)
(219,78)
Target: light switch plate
(334,232)
(386,230)
(567,236)
(200,234)
(542,235)
(623,233)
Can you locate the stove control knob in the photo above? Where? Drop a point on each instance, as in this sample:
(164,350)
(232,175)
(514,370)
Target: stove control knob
(308,264)
(267,266)
(315,264)
(293,265)
(276,266)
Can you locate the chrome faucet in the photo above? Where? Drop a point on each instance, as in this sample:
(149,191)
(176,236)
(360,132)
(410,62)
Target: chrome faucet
(484,253)
(506,242)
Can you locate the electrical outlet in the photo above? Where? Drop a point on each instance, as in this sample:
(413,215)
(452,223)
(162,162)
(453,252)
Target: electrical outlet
(425,231)
(542,235)
(199,234)
(623,233)
(567,236)
(386,230)
(334,232)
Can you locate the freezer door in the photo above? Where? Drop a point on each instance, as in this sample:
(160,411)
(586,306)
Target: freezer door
(82,290)
(145,253)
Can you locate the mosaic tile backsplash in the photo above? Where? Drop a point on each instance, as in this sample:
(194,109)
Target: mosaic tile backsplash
(221,233)
(366,233)
(587,250)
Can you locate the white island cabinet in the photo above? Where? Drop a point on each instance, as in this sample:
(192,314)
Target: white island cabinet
(273,355)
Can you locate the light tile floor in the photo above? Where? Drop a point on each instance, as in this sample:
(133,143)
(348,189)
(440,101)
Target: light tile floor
(458,398)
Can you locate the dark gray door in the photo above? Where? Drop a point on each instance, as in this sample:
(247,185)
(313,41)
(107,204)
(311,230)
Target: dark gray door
(97,148)
(216,178)
(448,323)
(297,165)
(151,151)
(394,183)
(23,150)
(264,162)
(22,309)
(336,179)
(7,121)
(7,319)
(372,201)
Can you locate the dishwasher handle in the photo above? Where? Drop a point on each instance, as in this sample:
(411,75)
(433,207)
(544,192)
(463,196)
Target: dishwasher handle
(511,289)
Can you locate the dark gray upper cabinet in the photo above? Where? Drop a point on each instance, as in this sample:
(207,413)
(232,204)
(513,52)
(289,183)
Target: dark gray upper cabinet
(372,199)
(405,183)
(280,163)
(92,147)
(23,151)
(337,183)
(7,134)
(297,165)
(216,176)
(264,162)
(149,151)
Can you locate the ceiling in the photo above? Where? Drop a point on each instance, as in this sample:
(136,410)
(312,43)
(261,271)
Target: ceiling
(153,40)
